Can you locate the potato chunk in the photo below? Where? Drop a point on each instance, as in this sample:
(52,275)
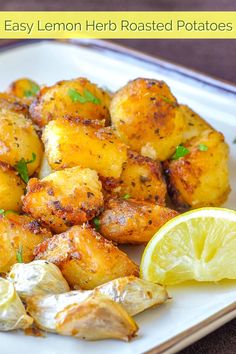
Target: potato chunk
(131,221)
(146,116)
(64,198)
(200,178)
(18,237)
(18,138)
(12,188)
(142,179)
(85,258)
(69,143)
(78,98)
(195,125)
(24,88)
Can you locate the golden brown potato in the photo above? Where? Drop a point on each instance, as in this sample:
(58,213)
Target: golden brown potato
(78,98)
(85,258)
(64,198)
(200,178)
(13,103)
(195,125)
(142,179)
(69,143)
(18,237)
(12,188)
(18,138)
(24,88)
(132,221)
(146,116)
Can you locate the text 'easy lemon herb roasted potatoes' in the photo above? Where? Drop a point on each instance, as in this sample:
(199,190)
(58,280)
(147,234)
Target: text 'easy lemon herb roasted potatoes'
(146,116)
(78,98)
(85,258)
(64,198)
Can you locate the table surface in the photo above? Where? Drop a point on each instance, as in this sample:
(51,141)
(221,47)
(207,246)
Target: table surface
(214,57)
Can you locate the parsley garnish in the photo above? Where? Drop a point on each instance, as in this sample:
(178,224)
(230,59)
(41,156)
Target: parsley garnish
(180,151)
(167,100)
(86,97)
(202,147)
(19,255)
(96,223)
(234,141)
(22,168)
(6,212)
(34,89)
(127,196)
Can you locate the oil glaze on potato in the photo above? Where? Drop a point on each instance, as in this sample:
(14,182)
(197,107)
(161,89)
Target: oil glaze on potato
(200,178)
(142,178)
(19,234)
(78,98)
(71,143)
(131,221)
(85,258)
(64,198)
(12,188)
(146,116)
(18,138)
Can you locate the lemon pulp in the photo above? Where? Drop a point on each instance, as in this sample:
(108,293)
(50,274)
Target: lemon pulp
(199,245)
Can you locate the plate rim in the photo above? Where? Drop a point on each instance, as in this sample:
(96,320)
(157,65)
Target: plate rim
(219,85)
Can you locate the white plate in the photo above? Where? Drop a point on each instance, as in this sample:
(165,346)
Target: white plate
(196,309)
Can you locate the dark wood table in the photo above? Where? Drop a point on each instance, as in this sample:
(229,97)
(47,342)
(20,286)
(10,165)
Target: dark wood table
(214,57)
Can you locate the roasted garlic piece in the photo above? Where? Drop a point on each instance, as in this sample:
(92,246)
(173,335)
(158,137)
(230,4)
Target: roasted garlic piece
(37,278)
(93,318)
(12,312)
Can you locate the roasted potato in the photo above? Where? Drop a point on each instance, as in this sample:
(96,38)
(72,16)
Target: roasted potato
(24,88)
(201,177)
(19,234)
(131,221)
(146,116)
(85,258)
(78,98)
(18,138)
(71,143)
(194,124)
(12,188)
(142,178)
(64,198)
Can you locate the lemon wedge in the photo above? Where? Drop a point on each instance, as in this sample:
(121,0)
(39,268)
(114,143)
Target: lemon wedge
(197,245)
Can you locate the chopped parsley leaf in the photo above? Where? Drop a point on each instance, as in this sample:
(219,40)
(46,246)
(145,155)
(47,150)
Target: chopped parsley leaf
(6,212)
(34,89)
(202,147)
(234,141)
(96,223)
(86,97)
(167,100)
(19,255)
(22,168)
(180,151)
(127,196)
